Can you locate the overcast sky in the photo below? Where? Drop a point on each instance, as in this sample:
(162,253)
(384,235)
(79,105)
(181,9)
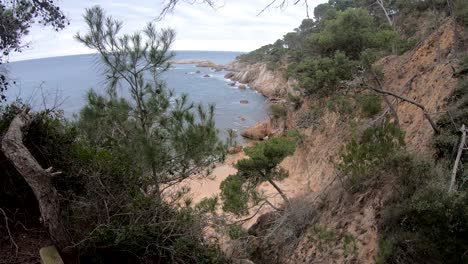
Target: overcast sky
(234,26)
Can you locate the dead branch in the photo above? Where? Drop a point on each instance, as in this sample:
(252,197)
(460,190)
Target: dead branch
(8,230)
(39,179)
(170,5)
(401,97)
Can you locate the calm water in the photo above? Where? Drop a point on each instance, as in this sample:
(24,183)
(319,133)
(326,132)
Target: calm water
(69,78)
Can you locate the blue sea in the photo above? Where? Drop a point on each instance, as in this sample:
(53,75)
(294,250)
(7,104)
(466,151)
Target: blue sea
(66,80)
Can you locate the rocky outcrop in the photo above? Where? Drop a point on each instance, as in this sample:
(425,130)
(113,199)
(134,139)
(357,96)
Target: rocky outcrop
(201,63)
(272,84)
(259,131)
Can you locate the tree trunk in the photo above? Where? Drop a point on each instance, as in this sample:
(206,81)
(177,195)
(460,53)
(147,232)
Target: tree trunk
(39,179)
(285,198)
(461,147)
(381,4)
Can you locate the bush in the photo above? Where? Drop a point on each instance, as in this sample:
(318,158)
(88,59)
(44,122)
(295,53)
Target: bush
(461,11)
(360,158)
(278,110)
(370,105)
(323,75)
(352,31)
(341,104)
(238,191)
(423,223)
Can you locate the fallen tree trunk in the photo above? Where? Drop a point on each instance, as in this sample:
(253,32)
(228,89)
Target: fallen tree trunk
(39,179)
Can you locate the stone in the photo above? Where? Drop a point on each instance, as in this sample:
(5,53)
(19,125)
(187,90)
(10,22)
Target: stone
(229,75)
(206,76)
(258,132)
(242,87)
(50,255)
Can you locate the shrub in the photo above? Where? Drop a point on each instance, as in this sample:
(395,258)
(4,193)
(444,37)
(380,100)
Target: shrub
(352,31)
(341,104)
(278,110)
(461,11)
(370,105)
(238,191)
(323,75)
(359,158)
(423,223)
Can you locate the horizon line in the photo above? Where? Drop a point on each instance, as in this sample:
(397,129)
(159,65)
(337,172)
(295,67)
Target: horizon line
(79,54)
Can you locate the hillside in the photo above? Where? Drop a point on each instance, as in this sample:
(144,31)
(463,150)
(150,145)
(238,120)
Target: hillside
(345,226)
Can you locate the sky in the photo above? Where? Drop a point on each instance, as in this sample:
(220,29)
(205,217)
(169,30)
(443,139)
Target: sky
(233,26)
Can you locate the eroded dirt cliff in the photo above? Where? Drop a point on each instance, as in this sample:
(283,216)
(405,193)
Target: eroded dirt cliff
(425,75)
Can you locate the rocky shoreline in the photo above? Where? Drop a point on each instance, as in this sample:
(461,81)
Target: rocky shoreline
(255,76)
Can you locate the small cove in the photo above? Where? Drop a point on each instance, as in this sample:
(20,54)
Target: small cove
(69,78)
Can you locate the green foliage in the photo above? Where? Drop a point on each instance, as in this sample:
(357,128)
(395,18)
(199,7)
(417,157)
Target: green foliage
(349,244)
(447,141)
(272,54)
(423,222)
(360,157)
(322,76)
(235,195)
(385,251)
(341,104)
(237,232)
(278,110)
(460,9)
(352,31)
(239,190)
(208,204)
(370,105)
(166,141)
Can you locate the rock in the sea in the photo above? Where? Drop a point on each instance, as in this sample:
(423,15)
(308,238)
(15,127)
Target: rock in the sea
(241,118)
(232,84)
(206,75)
(258,132)
(229,75)
(244,101)
(198,72)
(242,87)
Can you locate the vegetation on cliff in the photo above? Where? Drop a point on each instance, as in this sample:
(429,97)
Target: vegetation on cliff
(333,59)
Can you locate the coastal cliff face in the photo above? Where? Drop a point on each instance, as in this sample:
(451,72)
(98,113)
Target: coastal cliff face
(424,75)
(272,84)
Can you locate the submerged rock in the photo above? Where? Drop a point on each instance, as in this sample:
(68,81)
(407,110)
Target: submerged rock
(244,101)
(206,76)
(242,87)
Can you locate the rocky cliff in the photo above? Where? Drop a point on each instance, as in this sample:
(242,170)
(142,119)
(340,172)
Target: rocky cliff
(272,84)
(425,75)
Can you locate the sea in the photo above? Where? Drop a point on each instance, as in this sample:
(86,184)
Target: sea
(65,81)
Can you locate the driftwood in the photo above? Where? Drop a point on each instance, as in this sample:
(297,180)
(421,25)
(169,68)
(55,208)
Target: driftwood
(39,179)
(461,147)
